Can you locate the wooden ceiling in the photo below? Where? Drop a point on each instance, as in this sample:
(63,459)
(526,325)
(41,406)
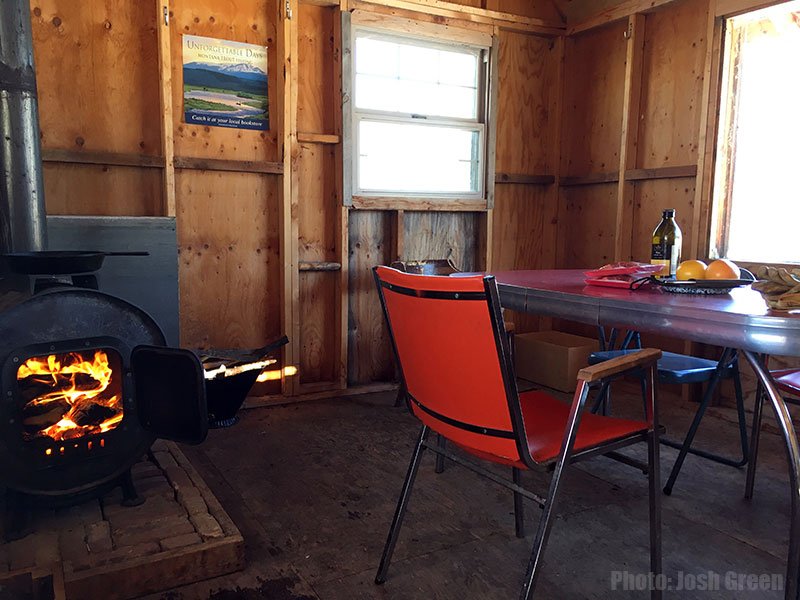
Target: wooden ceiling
(577,10)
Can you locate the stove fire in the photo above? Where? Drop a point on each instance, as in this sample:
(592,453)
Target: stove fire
(70,395)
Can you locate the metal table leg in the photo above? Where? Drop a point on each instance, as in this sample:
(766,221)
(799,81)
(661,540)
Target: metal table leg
(793,452)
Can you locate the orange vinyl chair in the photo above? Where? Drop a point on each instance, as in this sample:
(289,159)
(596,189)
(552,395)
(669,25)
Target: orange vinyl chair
(453,353)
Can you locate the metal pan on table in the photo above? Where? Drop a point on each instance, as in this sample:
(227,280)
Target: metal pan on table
(60,262)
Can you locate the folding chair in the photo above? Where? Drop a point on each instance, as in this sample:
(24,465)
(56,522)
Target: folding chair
(447,333)
(679,369)
(788,382)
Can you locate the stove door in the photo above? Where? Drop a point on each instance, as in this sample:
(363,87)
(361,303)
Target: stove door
(170,390)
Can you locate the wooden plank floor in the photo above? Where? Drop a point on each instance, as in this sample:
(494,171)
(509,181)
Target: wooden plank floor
(312,487)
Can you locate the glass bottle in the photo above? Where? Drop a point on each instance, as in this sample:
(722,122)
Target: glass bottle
(667,242)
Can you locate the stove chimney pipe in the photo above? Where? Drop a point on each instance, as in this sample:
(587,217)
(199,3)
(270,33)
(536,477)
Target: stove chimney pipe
(23,227)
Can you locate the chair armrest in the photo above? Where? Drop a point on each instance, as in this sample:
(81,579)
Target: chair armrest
(640,358)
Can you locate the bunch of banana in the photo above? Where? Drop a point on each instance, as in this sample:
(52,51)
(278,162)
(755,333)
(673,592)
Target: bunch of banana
(780,287)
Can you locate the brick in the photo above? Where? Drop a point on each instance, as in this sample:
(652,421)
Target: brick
(160,446)
(151,510)
(194,504)
(47,552)
(184,493)
(154,533)
(179,541)
(98,537)
(22,553)
(165,460)
(126,552)
(154,486)
(144,470)
(178,477)
(72,544)
(207,526)
(83,514)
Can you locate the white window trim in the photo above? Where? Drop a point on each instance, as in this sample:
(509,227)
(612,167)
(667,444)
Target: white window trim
(484,46)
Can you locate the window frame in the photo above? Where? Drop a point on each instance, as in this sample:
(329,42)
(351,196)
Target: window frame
(723,119)
(484,47)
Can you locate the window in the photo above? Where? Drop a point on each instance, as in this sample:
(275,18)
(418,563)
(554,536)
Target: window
(756,206)
(419,115)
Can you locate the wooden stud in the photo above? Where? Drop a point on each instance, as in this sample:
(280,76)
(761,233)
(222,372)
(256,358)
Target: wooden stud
(623,237)
(609,177)
(491,113)
(415,27)
(421,204)
(316,265)
(219,164)
(475,15)
(318,138)
(661,173)
(165,87)
(550,218)
(615,13)
(398,234)
(348,143)
(117,159)
(526,179)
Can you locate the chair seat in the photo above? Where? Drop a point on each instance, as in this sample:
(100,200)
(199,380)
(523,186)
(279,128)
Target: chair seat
(545,420)
(672,368)
(788,381)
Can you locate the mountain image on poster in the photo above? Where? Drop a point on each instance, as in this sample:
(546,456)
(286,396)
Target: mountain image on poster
(225,83)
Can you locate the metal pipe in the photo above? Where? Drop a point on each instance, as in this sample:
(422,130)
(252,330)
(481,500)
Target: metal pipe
(22,209)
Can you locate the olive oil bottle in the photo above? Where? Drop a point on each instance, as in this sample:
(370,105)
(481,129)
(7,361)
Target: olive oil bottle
(667,242)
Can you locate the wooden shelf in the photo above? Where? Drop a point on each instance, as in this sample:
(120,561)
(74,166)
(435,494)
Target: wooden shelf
(86,157)
(319,266)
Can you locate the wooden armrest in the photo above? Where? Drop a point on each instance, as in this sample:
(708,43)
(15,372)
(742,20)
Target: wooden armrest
(640,358)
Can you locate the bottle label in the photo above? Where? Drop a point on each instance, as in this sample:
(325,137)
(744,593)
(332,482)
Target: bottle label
(665,255)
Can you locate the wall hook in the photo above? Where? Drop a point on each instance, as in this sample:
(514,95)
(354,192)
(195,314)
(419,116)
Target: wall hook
(628,33)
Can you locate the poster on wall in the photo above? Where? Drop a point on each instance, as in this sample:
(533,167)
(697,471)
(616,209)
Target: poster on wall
(225,83)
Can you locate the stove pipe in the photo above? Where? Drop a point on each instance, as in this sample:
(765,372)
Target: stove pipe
(22,213)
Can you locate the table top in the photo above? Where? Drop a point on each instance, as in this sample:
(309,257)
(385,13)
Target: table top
(739,319)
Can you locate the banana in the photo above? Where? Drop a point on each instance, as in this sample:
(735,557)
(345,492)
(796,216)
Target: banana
(762,272)
(787,301)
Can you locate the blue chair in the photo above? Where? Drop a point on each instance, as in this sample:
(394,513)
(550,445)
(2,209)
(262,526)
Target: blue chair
(678,369)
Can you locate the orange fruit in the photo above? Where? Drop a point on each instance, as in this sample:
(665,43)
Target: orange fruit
(691,269)
(723,269)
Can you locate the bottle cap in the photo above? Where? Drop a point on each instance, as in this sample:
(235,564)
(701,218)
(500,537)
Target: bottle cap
(668,212)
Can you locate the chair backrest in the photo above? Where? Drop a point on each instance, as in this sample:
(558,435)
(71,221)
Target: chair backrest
(450,342)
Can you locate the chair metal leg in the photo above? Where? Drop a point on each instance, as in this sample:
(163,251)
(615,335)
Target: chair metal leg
(547,512)
(654,482)
(602,400)
(519,508)
(401,395)
(402,504)
(686,447)
(758,411)
(441,441)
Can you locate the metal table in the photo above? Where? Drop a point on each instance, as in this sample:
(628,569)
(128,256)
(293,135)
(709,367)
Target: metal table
(739,320)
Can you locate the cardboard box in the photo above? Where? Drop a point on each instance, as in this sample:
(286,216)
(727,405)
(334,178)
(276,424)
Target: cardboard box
(552,358)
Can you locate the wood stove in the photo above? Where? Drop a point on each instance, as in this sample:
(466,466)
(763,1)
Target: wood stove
(73,363)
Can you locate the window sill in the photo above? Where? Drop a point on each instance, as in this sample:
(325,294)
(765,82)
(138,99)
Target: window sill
(442,204)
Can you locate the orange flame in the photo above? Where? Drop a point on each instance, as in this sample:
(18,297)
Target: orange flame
(75,396)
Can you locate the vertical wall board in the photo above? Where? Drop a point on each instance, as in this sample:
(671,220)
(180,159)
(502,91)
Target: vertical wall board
(228,254)
(525,82)
(432,235)
(595,67)
(318,200)
(318,356)
(673,63)
(369,348)
(77,189)
(97,75)
(315,106)
(651,198)
(589,222)
(249,21)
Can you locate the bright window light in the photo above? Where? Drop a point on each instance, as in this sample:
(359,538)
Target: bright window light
(756,190)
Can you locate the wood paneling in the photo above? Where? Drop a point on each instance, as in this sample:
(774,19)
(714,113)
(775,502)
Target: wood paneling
(592,120)
(249,21)
(369,347)
(543,9)
(672,87)
(228,258)
(589,221)
(76,189)
(318,336)
(316,77)
(318,202)
(654,196)
(525,83)
(433,235)
(97,75)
